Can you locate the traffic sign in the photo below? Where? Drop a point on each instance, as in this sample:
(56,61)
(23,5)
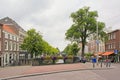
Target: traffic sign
(116,51)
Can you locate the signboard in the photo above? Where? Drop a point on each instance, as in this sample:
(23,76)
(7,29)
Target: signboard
(94,60)
(116,51)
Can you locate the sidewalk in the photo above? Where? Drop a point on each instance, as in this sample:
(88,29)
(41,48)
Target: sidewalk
(24,71)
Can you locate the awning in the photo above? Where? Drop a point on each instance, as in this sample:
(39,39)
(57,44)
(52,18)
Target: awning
(99,53)
(107,53)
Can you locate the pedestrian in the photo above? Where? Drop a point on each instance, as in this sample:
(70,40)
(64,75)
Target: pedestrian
(93,61)
(84,60)
(101,61)
(108,62)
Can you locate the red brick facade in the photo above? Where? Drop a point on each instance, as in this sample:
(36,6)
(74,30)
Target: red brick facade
(113,41)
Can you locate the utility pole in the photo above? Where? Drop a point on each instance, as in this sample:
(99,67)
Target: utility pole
(97,42)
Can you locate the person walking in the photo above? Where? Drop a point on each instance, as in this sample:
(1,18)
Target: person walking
(108,62)
(93,61)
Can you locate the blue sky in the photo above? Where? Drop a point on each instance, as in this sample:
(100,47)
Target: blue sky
(52,17)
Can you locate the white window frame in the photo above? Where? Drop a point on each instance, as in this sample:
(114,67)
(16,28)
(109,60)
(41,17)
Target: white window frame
(11,36)
(6,45)
(17,46)
(6,35)
(109,37)
(10,45)
(14,46)
(114,36)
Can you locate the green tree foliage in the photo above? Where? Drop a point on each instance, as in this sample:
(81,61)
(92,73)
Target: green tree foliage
(84,24)
(35,45)
(33,42)
(67,50)
(48,49)
(71,49)
(74,49)
(88,56)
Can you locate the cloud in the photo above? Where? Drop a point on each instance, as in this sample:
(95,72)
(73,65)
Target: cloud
(52,18)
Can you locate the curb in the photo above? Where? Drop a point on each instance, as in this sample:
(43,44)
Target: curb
(54,72)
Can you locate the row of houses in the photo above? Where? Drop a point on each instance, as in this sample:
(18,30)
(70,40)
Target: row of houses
(11,36)
(111,45)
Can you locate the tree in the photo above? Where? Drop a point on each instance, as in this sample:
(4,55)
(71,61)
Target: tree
(72,49)
(33,43)
(67,49)
(48,49)
(84,24)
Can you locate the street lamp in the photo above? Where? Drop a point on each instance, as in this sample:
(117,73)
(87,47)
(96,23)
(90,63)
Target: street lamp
(97,42)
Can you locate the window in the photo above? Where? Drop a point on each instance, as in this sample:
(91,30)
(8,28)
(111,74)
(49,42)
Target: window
(10,36)
(6,58)
(17,46)
(6,45)
(109,46)
(113,35)
(6,35)
(14,46)
(113,46)
(17,38)
(10,45)
(119,44)
(0,33)
(109,36)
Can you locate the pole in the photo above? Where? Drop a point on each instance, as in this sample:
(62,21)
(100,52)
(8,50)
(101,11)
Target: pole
(97,50)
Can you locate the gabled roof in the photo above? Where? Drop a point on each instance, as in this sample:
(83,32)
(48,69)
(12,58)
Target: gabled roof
(114,31)
(9,29)
(9,21)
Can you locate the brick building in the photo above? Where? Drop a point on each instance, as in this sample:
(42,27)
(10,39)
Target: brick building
(11,36)
(113,41)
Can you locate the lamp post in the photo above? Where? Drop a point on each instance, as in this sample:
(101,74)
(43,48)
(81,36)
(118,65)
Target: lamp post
(97,42)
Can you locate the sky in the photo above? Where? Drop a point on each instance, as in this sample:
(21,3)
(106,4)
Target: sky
(52,17)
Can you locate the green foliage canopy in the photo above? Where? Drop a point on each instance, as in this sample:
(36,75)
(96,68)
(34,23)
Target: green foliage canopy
(35,45)
(71,49)
(84,25)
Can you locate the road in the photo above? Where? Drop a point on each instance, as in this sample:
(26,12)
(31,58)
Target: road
(75,75)
(91,74)
(111,74)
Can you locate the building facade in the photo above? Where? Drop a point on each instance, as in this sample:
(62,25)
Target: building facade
(113,42)
(9,45)
(11,37)
(92,45)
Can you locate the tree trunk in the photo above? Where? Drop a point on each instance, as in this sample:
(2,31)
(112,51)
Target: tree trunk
(83,47)
(32,59)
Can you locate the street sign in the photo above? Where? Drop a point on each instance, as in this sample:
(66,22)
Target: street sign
(116,51)
(97,41)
